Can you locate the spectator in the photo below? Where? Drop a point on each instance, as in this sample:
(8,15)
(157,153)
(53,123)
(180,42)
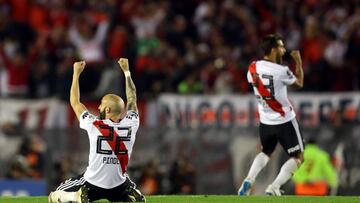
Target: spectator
(191,85)
(18,70)
(182,177)
(18,169)
(150,180)
(39,17)
(33,149)
(90,47)
(118,40)
(317,174)
(164,32)
(89,44)
(147,19)
(40,81)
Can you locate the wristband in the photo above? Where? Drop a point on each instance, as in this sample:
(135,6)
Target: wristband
(127,73)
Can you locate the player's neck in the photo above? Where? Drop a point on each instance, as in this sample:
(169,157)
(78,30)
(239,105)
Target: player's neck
(115,118)
(270,58)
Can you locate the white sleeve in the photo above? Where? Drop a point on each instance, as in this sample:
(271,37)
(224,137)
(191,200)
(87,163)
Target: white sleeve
(101,31)
(75,37)
(133,117)
(86,120)
(287,77)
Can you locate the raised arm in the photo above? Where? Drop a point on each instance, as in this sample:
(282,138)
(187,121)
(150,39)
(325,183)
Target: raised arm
(75,37)
(299,83)
(76,105)
(101,31)
(130,86)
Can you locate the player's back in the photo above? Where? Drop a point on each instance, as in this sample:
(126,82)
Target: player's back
(111,146)
(270,81)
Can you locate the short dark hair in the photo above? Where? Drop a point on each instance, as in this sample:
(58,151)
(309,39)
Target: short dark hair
(270,41)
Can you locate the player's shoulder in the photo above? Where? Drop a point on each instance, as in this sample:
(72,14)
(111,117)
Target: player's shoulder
(269,64)
(87,116)
(87,120)
(132,115)
(274,68)
(131,119)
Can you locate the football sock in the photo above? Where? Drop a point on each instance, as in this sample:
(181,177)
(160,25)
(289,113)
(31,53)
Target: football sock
(286,171)
(258,164)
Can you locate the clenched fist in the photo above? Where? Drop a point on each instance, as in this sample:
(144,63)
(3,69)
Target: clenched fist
(79,67)
(295,54)
(124,64)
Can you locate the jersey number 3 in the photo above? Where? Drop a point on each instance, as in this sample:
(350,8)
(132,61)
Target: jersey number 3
(270,87)
(110,139)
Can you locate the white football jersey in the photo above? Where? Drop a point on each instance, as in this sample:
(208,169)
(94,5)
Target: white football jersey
(111,145)
(270,81)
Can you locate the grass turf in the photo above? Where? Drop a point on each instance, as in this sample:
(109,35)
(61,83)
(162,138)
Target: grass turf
(212,199)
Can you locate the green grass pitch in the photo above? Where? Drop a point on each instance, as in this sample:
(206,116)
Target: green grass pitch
(212,199)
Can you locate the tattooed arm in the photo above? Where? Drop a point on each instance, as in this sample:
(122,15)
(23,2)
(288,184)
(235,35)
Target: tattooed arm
(130,86)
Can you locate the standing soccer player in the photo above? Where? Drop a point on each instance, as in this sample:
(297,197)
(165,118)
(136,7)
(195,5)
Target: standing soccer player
(112,136)
(277,116)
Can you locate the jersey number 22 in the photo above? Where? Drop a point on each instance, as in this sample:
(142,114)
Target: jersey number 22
(110,139)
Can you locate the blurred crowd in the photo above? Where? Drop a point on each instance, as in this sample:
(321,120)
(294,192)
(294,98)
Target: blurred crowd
(177,178)
(186,47)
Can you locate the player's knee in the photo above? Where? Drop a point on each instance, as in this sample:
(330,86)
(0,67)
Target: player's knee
(268,152)
(299,158)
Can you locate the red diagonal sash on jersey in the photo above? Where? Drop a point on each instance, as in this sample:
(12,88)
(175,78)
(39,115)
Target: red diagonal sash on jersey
(272,103)
(123,158)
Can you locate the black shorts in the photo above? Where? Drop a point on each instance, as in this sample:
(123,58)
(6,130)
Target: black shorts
(126,192)
(287,134)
